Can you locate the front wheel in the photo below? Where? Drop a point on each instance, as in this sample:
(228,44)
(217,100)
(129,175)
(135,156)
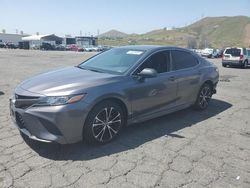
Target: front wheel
(203,97)
(103,123)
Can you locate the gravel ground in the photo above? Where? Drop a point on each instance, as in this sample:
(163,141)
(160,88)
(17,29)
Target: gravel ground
(184,149)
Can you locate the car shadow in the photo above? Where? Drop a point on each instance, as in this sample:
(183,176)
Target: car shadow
(131,136)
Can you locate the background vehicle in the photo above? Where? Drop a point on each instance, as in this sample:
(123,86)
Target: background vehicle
(74,47)
(2,44)
(217,53)
(124,85)
(207,52)
(89,48)
(47,46)
(248,54)
(235,57)
(60,47)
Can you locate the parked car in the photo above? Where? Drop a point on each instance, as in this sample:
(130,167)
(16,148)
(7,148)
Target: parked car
(35,47)
(74,47)
(60,47)
(47,46)
(198,51)
(235,57)
(121,86)
(2,44)
(218,53)
(80,49)
(207,52)
(11,45)
(89,48)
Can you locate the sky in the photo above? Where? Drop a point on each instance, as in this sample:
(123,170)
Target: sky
(86,17)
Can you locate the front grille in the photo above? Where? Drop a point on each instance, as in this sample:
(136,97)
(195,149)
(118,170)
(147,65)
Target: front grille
(26,97)
(25,101)
(19,120)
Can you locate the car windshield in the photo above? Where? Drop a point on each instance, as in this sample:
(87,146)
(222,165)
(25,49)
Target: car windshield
(233,51)
(114,61)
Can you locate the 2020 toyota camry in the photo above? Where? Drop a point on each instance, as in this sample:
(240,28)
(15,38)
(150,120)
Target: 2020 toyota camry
(121,86)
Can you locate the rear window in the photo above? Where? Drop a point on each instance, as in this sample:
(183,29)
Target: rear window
(233,51)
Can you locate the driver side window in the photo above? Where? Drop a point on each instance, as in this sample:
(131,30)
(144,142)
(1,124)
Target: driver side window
(159,61)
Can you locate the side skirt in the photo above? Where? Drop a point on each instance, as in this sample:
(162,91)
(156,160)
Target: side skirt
(158,114)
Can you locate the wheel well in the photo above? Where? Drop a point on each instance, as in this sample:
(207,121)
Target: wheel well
(119,102)
(210,83)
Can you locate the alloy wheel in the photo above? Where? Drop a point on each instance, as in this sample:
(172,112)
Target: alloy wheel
(205,96)
(106,124)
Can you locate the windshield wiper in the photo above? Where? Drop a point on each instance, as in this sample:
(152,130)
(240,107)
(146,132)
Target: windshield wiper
(94,70)
(80,67)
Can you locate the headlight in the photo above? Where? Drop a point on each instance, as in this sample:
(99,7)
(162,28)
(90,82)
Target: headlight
(59,100)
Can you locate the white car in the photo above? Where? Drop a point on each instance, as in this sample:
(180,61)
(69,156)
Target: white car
(207,52)
(236,57)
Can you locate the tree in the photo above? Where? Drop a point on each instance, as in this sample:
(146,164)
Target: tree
(3,31)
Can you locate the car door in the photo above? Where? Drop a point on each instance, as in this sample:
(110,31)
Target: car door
(187,76)
(153,95)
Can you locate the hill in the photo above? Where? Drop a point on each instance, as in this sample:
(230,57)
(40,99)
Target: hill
(222,31)
(113,34)
(210,31)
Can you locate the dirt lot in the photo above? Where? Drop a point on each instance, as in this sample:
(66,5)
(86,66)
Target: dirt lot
(185,149)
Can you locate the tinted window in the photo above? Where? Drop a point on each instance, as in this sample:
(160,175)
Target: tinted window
(244,51)
(235,52)
(183,60)
(159,61)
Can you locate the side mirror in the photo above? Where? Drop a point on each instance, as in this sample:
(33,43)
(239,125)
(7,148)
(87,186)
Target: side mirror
(148,73)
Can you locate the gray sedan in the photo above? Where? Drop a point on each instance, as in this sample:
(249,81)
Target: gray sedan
(118,87)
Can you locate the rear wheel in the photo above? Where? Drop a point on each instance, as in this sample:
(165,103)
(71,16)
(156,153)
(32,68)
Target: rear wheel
(244,65)
(103,123)
(203,97)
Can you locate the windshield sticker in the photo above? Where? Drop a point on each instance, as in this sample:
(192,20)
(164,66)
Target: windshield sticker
(134,52)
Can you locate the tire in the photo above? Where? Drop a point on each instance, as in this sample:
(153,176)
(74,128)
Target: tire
(223,65)
(203,97)
(98,128)
(244,65)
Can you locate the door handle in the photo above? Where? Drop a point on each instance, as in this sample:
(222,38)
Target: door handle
(171,78)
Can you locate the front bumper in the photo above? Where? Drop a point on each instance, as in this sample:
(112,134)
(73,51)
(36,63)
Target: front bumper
(61,124)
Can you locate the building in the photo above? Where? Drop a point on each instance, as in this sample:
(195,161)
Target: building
(69,40)
(36,41)
(86,41)
(11,38)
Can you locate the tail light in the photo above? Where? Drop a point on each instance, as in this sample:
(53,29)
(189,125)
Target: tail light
(241,56)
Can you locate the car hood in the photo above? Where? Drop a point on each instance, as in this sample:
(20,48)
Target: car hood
(71,80)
